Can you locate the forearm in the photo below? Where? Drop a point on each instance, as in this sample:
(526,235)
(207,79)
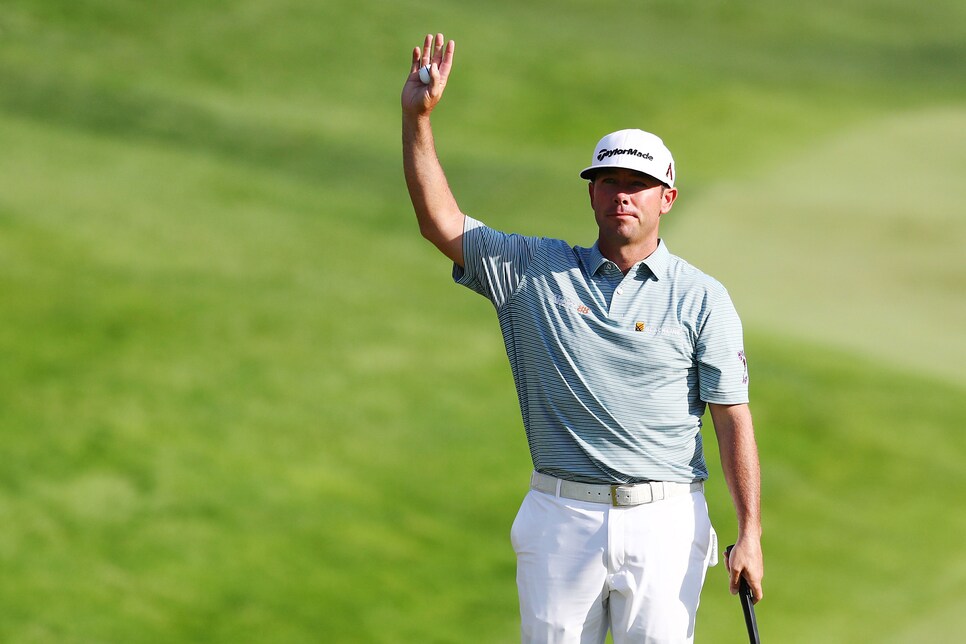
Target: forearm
(439,217)
(739,463)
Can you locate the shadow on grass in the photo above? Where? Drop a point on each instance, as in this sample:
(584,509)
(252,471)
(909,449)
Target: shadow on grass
(133,115)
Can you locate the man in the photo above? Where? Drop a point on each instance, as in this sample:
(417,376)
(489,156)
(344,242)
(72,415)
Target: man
(615,351)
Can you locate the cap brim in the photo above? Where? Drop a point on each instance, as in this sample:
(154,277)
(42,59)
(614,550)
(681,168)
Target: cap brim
(588,173)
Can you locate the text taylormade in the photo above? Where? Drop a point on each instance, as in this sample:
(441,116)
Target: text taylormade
(603,154)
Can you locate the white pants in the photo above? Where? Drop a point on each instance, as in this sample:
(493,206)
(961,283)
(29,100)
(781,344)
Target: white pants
(585,567)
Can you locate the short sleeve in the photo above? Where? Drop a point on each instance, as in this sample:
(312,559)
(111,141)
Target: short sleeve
(493,262)
(720,353)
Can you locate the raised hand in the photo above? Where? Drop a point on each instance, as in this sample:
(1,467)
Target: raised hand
(419,98)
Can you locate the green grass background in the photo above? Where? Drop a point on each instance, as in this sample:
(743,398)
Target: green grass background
(240,400)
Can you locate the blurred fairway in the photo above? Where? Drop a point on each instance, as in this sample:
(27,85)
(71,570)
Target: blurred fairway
(240,400)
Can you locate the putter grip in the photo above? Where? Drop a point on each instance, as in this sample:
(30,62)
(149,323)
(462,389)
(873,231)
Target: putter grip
(747,606)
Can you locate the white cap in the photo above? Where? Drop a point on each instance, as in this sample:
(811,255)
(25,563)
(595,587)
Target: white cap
(634,150)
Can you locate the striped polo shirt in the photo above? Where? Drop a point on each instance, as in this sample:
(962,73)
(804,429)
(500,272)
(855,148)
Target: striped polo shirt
(612,372)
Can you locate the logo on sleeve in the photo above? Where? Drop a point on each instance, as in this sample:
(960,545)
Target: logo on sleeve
(744,363)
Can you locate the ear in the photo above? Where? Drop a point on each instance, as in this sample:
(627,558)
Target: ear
(667,200)
(590,190)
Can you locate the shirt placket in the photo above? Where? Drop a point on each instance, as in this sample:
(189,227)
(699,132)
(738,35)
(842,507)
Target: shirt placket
(620,302)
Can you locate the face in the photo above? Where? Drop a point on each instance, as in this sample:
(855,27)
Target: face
(628,206)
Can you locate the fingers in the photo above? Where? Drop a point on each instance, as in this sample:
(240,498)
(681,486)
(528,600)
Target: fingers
(438,49)
(740,566)
(446,63)
(427,50)
(756,592)
(419,97)
(432,50)
(436,54)
(415,66)
(734,581)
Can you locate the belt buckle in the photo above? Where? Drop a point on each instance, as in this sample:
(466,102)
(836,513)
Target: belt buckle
(614,489)
(656,492)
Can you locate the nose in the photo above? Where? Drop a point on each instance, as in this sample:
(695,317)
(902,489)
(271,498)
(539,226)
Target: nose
(621,198)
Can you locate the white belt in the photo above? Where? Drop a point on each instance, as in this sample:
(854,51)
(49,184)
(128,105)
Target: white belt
(615,495)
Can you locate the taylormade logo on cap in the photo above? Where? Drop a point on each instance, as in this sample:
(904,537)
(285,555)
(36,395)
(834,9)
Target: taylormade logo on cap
(603,154)
(634,150)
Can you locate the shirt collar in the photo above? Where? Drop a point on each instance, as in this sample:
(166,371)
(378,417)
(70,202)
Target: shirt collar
(656,262)
(592,259)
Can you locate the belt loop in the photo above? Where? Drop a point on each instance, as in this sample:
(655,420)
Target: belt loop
(557,491)
(658,491)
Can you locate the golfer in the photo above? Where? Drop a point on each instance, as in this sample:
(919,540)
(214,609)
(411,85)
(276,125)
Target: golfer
(616,350)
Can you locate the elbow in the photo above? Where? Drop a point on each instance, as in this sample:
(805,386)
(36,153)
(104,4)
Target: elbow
(435,237)
(442,230)
(430,232)
(448,240)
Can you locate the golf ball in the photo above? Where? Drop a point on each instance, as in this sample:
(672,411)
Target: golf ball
(424,75)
